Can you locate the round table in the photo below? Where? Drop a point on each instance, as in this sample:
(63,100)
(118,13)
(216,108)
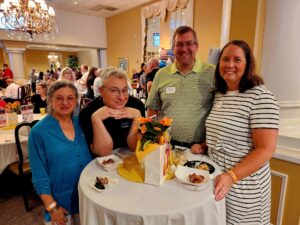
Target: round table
(8,148)
(136,203)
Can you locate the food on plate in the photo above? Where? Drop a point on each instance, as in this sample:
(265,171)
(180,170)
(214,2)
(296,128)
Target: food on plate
(101,182)
(108,161)
(203,166)
(196,179)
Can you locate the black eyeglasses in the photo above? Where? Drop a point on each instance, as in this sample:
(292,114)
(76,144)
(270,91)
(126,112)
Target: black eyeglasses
(188,44)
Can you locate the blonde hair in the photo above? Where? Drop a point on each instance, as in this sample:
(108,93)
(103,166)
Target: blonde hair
(64,71)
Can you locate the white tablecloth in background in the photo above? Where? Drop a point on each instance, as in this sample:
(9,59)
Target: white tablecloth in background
(8,148)
(142,204)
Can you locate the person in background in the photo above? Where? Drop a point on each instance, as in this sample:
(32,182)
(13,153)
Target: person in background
(182,91)
(58,155)
(11,92)
(67,74)
(97,83)
(241,135)
(7,73)
(90,82)
(39,100)
(151,70)
(110,122)
(33,79)
(41,76)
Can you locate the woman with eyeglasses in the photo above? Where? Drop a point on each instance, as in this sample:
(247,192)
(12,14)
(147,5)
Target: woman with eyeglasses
(109,122)
(58,152)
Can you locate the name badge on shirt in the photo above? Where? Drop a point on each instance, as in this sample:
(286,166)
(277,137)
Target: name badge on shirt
(125,124)
(170,90)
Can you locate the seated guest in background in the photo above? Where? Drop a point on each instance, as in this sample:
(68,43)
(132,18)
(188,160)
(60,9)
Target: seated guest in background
(90,82)
(67,74)
(241,135)
(58,152)
(39,100)
(97,83)
(110,121)
(11,91)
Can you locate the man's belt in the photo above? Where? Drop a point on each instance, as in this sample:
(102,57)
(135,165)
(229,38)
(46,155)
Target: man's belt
(182,144)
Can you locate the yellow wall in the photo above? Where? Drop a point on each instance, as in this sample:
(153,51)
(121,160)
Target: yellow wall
(124,38)
(291,213)
(207,23)
(243,20)
(38,59)
(124,32)
(1,57)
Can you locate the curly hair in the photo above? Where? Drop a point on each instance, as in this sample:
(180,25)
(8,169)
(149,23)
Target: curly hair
(249,79)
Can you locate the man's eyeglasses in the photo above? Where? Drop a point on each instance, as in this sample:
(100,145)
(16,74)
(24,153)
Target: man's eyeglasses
(117,92)
(188,44)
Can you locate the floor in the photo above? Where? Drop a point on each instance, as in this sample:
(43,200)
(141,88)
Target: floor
(12,211)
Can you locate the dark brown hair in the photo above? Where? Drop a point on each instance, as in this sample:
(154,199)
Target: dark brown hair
(249,78)
(182,30)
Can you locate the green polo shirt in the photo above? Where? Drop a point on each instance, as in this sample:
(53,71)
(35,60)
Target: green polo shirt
(186,99)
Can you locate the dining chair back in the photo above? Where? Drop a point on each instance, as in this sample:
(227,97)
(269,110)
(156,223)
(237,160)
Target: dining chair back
(83,102)
(21,168)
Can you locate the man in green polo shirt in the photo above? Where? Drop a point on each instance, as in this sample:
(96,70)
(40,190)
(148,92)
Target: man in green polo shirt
(182,91)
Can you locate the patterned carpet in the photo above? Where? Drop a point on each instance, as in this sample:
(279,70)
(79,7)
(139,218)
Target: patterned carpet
(12,210)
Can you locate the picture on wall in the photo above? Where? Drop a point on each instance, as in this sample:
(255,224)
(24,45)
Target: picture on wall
(123,64)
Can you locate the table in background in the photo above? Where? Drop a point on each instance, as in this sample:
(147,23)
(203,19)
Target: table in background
(8,148)
(142,204)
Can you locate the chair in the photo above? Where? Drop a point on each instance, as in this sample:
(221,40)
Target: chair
(83,102)
(21,168)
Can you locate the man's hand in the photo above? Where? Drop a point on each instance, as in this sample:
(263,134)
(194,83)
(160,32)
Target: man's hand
(103,113)
(127,112)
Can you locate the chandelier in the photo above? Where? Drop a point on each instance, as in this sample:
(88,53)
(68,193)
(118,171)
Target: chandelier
(30,19)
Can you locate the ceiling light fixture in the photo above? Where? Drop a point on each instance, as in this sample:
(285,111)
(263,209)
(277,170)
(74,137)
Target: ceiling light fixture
(31,19)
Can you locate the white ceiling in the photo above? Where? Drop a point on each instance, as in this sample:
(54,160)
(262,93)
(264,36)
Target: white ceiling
(100,8)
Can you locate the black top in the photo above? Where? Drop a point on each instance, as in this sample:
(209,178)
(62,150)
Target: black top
(118,129)
(38,103)
(149,77)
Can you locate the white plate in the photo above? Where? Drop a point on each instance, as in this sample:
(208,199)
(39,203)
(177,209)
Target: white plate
(111,166)
(112,183)
(182,174)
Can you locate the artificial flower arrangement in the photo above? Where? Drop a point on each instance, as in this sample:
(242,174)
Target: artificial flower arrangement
(12,107)
(153,150)
(152,131)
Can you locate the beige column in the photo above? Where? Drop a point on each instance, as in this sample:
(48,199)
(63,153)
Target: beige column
(16,62)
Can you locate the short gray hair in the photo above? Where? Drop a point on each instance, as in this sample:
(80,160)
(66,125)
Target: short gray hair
(112,72)
(56,86)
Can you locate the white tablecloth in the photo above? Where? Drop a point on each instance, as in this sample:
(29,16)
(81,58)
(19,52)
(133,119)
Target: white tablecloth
(141,204)
(8,148)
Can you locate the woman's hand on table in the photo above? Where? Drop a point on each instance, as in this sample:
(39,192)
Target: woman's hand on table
(223,183)
(58,217)
(199,148)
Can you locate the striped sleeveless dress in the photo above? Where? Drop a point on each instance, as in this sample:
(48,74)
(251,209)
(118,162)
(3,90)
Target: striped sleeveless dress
(229,140)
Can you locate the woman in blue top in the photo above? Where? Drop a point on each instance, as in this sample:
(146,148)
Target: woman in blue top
(58,153)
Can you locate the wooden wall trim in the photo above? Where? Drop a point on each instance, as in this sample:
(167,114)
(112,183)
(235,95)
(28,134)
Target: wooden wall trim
(283,190)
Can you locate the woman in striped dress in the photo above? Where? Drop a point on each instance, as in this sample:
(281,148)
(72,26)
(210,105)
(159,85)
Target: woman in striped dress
(241,135)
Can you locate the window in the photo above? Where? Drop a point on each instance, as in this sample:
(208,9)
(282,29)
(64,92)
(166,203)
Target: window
(153,38)
(177,18)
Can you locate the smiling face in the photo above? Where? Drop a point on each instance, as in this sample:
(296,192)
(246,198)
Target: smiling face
(232,66)
(115,92)
(185,49)
(63,102)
